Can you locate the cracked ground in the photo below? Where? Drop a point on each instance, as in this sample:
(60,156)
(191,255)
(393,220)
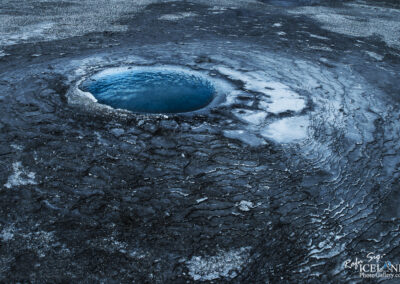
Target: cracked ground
(292,171)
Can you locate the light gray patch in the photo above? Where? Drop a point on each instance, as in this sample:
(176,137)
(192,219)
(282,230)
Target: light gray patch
(374,55)
(20,176)
(7,234)
(226,264)
(176,17)
(245,205)
(358,20)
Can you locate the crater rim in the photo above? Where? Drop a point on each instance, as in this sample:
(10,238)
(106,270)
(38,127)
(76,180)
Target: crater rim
(78,96)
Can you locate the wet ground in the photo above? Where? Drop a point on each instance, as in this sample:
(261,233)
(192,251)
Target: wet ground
(293,171)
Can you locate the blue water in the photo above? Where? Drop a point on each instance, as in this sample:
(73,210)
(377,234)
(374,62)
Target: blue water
(151,91)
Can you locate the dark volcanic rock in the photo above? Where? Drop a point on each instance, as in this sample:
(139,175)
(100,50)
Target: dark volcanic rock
(292,171)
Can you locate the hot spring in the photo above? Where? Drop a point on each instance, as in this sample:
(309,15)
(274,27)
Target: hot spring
(151,90)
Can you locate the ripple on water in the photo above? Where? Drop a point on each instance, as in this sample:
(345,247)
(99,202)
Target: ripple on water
(151,90)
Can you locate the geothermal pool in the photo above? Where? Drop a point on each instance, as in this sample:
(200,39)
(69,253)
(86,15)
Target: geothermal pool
(151,90)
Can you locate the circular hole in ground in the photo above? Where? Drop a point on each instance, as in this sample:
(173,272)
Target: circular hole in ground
(151,90)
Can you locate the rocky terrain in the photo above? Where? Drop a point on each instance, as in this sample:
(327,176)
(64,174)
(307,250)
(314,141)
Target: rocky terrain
(291,171)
